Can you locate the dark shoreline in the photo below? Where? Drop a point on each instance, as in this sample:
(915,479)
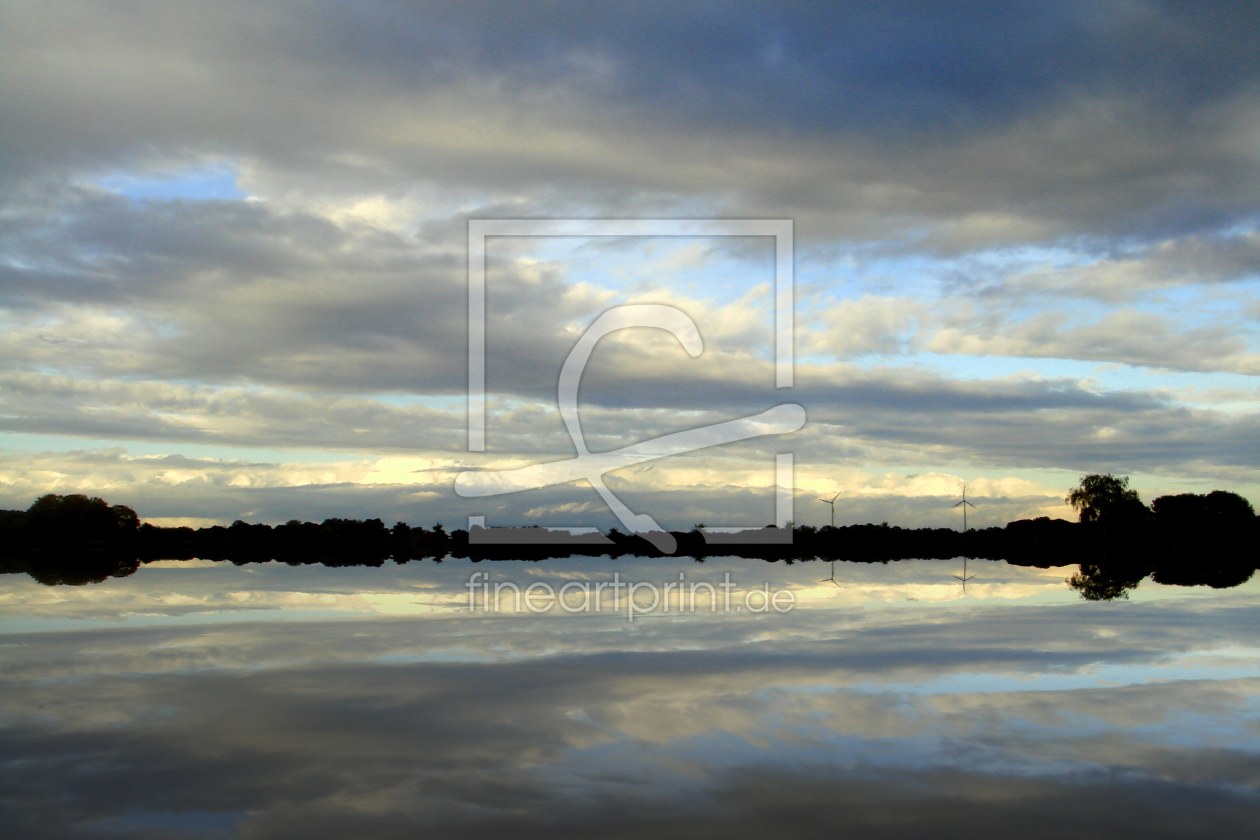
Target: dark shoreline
(1112,559)
(1187,539)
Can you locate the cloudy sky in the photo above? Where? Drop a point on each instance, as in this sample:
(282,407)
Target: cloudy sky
(233,267)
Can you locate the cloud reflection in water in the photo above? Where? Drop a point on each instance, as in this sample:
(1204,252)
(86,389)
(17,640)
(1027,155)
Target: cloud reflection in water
(201,700)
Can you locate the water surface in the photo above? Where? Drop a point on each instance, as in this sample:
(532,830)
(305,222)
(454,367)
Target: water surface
(200,699)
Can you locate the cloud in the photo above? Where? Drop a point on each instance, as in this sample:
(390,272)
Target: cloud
(1193,260)
(867,325)
(1127,336)
(1080,118)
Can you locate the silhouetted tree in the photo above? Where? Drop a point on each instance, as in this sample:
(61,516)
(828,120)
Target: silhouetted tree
(78,517)
(1215,530)
(1218,509)
(125,519)
(1105,497)
(82,568)
(1096,583)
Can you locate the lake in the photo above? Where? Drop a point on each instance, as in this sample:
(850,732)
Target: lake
(199,699)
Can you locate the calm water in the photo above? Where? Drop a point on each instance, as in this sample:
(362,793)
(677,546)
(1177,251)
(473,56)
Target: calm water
(204,700)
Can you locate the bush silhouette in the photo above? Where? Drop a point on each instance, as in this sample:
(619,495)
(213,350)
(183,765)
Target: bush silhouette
(78,517)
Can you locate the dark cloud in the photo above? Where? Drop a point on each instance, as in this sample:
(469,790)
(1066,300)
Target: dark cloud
(1072,117)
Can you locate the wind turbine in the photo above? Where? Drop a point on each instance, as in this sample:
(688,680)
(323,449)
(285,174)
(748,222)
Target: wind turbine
(964,504)
(832,502)
(833,575)
(965,577)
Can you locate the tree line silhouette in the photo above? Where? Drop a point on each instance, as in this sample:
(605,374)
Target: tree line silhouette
(1186,539)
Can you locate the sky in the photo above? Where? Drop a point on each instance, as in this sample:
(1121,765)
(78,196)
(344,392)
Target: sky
(233,253)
